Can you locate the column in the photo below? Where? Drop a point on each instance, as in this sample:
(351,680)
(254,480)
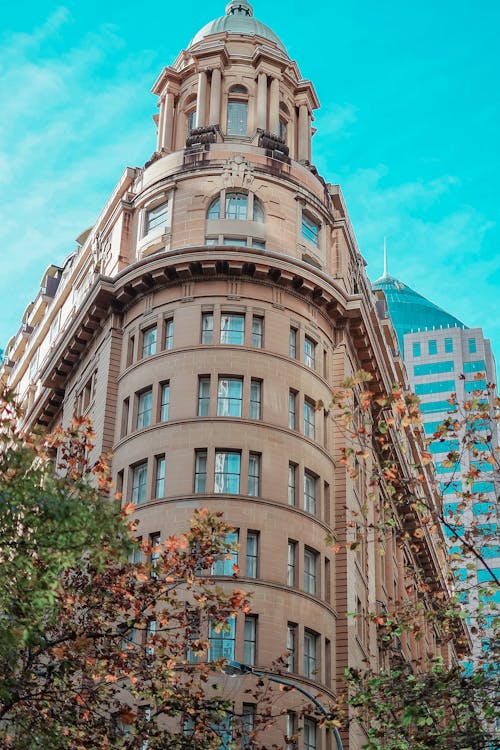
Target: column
(303,151)
(201,102)
(262,101)
(168,123)
(214,116)
(161,118)
(274,107)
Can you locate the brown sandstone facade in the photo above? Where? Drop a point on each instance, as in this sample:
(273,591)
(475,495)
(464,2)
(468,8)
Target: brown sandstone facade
(220,295)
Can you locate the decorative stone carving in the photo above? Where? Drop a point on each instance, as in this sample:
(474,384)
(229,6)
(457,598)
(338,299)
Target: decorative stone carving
(237,172)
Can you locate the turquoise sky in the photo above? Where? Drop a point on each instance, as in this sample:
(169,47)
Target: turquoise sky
(409,127)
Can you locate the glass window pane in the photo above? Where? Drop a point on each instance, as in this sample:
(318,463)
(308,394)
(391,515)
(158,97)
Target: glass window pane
(149,342)
(258,211)
(214,209)
(207,328)
(144,409)
(169,333)
(232,329)
(222,642)
(160,477)
(236,206)
(292,344)
(255,399)
(237,117)
(309,493)
(200,471)
(224,567)
(252,554)
(309,352)
(165,402)
(310,654)
(310,564)
(139,479)
(416,349)
(257,331)
(249,642)
(229,397)
(157,217)
(292,479)
(310,229)
(292,416)
(203,396)
(254,474)
(227,472)
(309,420)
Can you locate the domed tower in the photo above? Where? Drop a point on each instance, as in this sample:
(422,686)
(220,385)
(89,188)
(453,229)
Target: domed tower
(218,298)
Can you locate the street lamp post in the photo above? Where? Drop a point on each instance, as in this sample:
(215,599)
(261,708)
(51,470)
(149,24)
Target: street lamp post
(238,668)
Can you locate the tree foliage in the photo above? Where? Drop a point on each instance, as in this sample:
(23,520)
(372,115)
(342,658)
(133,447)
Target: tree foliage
(426,703)
(97,651)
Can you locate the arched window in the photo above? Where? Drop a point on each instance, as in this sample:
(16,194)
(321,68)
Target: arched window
(214,209)
(237,111)
(258,211)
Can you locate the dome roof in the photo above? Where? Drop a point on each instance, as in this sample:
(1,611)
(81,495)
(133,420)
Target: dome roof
(239,19)
(410,311)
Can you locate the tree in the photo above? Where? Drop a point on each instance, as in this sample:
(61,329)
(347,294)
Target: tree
(428,703)
(103,638)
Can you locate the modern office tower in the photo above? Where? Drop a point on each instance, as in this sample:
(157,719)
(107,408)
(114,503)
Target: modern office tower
(218,297)
(444,357)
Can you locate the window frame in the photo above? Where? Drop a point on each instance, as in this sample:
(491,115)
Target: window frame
(160,218)
(309,412)
(144,416)
(255,399)
(252,554)
(227,482)
(250,626)
(311,571)
(230,405)
(310,228)
(310,352)
(160,475)
(203,401)
(230,332)
(310,500)
(139,483)
(149,347)
(254,476)
(200,471)
(207,332)
(165,401)
(310,654)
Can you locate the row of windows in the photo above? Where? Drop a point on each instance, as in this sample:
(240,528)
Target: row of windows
(432,347)
(232,330)
(301,561)
(432,368)
(440,386)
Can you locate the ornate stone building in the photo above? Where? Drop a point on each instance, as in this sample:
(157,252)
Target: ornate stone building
(218,297)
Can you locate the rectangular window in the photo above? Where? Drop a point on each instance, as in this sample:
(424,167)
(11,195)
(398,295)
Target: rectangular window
(125,412)
(237,118)
(169,333)
(448,346)
(257,331)
(309,352)
(309,493)
(227,472)
(421,389)
(435,406)
(232,329)
(144,409)
(477,366)
(292,409)
(291,730)
(237,206)
(254,474)
(157,217)
(432,347)
(310,660)
(149,342)
(433,367)
(135,557)
(250,639)
(150,637)
(224,566)
(417,349)
(200,471)
(292,343)
(160,477)
(247,725)
(165,402)
(472,346)
(155,550)
(255,399)
(252,558)
(221,642)
(291,577)
(310,229)
(310,571)
(309,419)
(475,385)
(130,350)
(291,646)
(139,483)
(229,397)
(310,734)
(207,328)
(292,484)
(203,395)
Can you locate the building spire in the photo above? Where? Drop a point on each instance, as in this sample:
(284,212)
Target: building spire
(239,8)
(385,274)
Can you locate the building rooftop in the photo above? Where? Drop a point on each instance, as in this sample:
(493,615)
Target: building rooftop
(410,311)
(239,19)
